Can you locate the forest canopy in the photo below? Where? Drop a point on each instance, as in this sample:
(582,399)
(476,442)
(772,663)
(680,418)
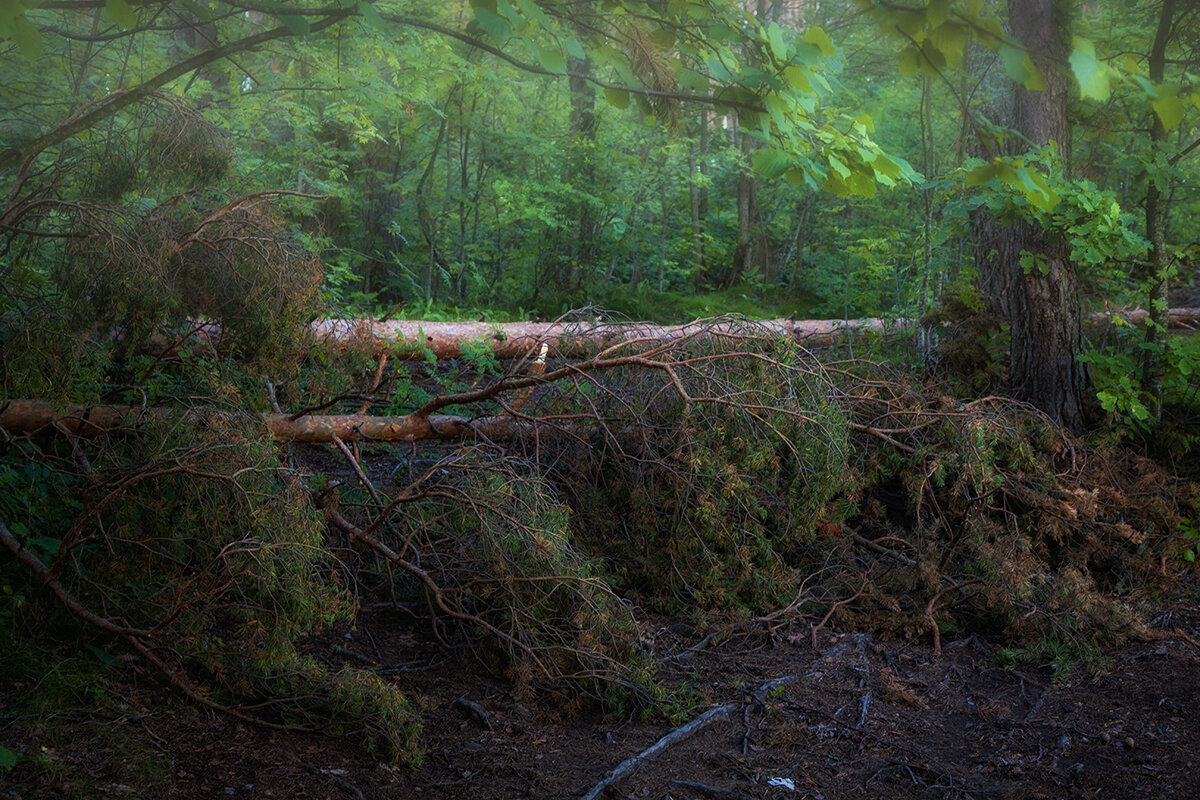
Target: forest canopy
(663,159)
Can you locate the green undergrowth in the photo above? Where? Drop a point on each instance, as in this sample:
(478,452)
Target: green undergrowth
(620,302)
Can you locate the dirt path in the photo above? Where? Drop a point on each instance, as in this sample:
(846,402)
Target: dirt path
(859,719)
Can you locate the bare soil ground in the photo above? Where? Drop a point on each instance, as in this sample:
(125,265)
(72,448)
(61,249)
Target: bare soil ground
(859,718)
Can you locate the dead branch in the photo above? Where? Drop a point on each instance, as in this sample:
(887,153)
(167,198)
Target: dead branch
(874,546)
(831,611)
(415,339)
(929,609)
(680,734)
(21,417)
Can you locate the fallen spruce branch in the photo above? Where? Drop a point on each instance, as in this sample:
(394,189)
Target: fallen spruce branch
(138,640)
(680,734)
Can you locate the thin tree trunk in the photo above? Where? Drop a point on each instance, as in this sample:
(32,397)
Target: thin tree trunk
(424,218)
(694,208)
(1158,266)
(581,170)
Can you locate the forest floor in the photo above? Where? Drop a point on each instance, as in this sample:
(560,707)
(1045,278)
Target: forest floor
(859,718)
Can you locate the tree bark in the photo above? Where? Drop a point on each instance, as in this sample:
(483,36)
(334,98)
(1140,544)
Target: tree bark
(1046,335)
(1041,302)
(510,340)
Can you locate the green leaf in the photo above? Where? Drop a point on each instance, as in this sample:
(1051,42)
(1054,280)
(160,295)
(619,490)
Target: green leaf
(1091,74)
(617,98)
(886,167)
(8,759)
(27,37)
(48,544)
(770,162)
(981,175)
(836,164)
(866,121)
(1020,68)
(1037,191)
(121,13)
(951,41)
(798,79)
(909,61)
(371,16)
(296,24)
(493,24)
(937,12)
(690,79)
(198,11)
(796,177)
(816,36)
(1169,109)
(663,37)
(552,59)
(775,39)
(105,658)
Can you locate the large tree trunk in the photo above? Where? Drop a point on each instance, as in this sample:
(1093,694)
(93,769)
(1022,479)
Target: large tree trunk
(744,255)
(1046,321)
(1041,302)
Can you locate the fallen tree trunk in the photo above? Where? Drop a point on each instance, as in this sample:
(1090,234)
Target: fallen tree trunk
(1177,317)
(38,416)
(414,339)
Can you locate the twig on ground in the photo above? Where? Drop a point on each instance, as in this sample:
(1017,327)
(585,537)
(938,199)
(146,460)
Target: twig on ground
(1037,706)
(678,735)
(340,781)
